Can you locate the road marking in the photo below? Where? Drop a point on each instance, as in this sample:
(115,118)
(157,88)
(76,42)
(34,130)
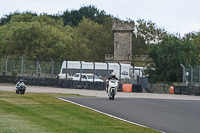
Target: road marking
(106,113)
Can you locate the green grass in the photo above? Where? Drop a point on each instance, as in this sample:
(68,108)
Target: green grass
(44,113)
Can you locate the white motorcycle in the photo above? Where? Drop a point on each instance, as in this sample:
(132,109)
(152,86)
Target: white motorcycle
(21,88)
(112,88)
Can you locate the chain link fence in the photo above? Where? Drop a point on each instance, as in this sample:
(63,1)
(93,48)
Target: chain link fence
(29,68)
(191,76)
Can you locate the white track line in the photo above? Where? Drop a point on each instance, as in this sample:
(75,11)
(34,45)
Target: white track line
(105,113)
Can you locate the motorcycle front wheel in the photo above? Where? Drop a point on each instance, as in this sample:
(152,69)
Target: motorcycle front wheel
(21,92)
(113,94)
(17,92)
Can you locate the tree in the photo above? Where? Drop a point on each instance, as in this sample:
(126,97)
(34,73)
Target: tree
(167,57)
(25,17)
(28,35)
(92,41)
(41,36)
(74,17)
(195,37)
(145,34)
(5,19)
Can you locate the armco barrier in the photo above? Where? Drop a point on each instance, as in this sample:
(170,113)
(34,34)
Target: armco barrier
(187,90)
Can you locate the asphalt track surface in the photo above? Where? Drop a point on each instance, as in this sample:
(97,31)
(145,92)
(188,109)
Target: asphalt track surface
(165,115)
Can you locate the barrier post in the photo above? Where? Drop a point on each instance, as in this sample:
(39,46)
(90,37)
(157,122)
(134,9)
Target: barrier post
(36,66)
(107,69)
(93,70)
(119,72)
(183,73)
(6,65)
(199,75)
(22,65)
(93,75)
(66,72)
(191,75)
(80,69)
(52,67)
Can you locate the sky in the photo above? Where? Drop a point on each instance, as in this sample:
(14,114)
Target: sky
(175,16)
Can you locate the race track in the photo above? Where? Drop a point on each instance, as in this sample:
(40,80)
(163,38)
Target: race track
(166,115)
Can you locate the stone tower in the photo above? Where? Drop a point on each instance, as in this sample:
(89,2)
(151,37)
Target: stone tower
(123,31)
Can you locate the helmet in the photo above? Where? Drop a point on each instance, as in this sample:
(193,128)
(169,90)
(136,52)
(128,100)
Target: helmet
(20,80)
(112,75)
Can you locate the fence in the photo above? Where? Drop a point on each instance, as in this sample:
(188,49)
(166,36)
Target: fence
(191,82)
(29,68)
(41,73)
(44,73)
(50,69)
(191,75)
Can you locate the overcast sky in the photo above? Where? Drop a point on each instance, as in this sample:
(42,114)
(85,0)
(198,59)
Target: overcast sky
(176,16)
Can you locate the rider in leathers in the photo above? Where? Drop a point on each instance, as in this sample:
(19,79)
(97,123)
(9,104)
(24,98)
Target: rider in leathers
(20,81)
(112,76)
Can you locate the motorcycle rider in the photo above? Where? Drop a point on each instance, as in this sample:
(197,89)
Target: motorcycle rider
(112,76)
(20,81)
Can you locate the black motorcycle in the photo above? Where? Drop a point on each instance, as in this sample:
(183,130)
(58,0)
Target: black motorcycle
(21,88)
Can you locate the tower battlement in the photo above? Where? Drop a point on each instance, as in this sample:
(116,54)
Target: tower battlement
(123,26)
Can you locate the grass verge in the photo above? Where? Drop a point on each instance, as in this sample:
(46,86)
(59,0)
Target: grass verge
(44,113)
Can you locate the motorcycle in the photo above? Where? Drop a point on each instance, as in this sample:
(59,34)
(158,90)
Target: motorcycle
(112,88)
(21,88)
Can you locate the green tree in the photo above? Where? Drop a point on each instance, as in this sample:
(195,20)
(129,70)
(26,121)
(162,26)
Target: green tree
(145,34)
(167,56)
(74,17)
(195,37)
(42,37)
(22,17)
(25,17)
(91,41)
